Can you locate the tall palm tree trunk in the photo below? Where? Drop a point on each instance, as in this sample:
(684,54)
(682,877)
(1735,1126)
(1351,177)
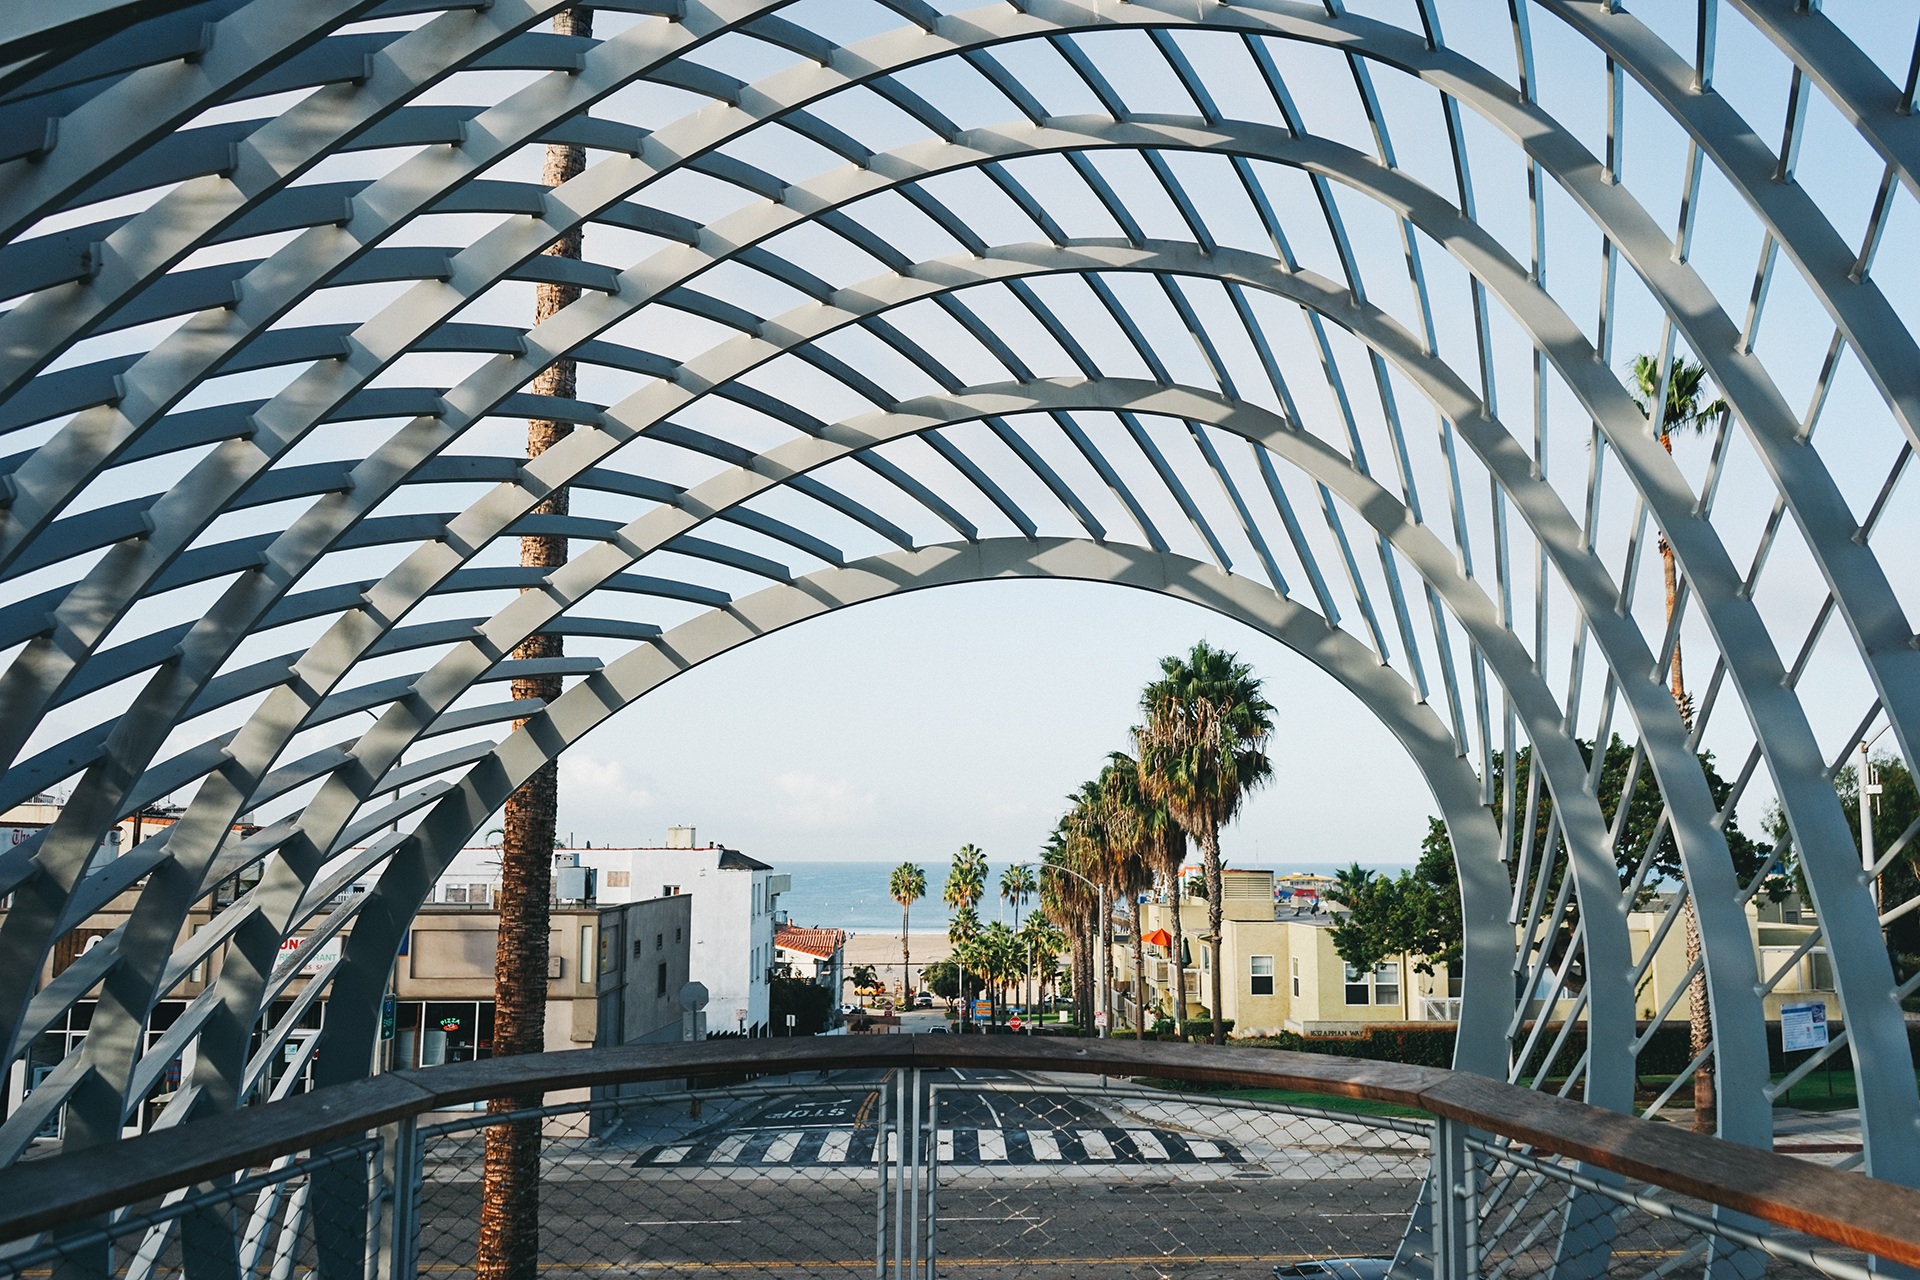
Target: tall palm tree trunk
(1699,1013)
(509,1230)
(1179,960)
(1210,856)
(906,960)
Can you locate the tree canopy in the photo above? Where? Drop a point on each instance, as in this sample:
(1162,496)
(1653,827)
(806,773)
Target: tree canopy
(1418,912)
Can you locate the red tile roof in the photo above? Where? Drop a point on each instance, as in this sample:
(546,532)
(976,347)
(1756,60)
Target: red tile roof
(813,942)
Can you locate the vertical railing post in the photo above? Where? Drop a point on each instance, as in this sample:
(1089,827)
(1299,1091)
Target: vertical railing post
(900,1176)
(880,1183)
(933,1177)
(397,1253)
(1455,1204)
(912,1223)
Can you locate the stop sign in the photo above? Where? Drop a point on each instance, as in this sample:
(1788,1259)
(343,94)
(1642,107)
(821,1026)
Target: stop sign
(1015,1024)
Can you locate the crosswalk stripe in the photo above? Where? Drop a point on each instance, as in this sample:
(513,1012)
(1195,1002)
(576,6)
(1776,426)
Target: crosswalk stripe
(1146,1144)
(1096,1144)
(1045,1145)
(783,1148)
(1203,1149)
(729,1149)
(834,1149)
(993,1144)
(945,1150)
(671,1155)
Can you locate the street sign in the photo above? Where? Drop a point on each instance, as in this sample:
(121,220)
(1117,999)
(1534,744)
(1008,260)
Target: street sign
(1803,1026)
(1016,1024)
(983,1009)
(1100,1018)
(387,1017)
(789,1022)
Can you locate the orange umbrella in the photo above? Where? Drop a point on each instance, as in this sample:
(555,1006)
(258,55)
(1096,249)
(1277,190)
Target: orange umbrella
(1158,938)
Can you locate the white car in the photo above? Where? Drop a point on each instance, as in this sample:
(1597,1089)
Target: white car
(848,1010)
(1336,1269)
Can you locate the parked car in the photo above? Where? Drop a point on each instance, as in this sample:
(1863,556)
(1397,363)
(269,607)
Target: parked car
(1336,1269)
(848,1010)
(938,1031)
(924,1000)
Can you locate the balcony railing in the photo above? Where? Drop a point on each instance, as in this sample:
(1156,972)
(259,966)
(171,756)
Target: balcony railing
(917,1156)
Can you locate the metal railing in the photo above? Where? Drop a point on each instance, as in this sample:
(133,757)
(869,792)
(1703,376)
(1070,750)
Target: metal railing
(920,1156)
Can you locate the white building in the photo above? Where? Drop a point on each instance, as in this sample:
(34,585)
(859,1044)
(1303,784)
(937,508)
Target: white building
(733,915)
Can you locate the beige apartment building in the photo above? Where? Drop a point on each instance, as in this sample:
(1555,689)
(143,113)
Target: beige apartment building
(1281,972)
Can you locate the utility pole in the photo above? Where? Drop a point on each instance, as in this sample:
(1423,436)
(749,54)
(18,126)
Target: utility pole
(1868,789)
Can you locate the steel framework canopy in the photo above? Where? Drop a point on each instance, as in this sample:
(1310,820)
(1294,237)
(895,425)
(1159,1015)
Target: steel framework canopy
(1321,316)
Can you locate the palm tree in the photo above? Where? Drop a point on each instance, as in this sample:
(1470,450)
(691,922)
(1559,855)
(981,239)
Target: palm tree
(1069,904)
(1017,886)
(1132,846)
(1202,750)
(1091,836)
(907,884)
(966,885)
(998,953)
(508,1240)
(963,931)
(1683,411)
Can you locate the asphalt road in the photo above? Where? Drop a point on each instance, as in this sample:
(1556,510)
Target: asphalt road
(787,1185)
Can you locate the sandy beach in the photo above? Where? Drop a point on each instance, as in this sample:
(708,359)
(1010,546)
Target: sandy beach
(882,951)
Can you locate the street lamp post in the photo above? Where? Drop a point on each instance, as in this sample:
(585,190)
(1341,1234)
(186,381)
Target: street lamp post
(1869,789)
(1099,977)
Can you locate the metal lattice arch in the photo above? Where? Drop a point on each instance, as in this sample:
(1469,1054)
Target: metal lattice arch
(1314,315)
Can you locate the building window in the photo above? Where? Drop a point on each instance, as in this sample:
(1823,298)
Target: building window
(619,879)
(638,948)
(676,935)
(456,893)
(477,893)
(669,890)
(1357,985)
(1262,975)
(1386,983)
(586,949)
(659,941)
(660,981)
(1293,967)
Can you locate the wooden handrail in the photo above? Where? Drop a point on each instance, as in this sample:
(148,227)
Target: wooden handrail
(1848,1209)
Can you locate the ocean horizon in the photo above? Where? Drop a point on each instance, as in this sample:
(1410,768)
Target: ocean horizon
(852,895)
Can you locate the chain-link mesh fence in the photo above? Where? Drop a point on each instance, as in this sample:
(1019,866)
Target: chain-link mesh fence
(909,1175)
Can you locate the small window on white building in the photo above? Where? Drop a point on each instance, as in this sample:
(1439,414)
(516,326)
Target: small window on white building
(619,879)
(669,890)
(477,893)
(1356,986)
(1293,968)
(1386,983)
(1262,975)
(586,949)
(455,893)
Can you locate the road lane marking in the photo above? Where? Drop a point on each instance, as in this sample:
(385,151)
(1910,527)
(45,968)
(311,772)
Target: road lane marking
(671,1155)
(729,1149)
(1146,1144)
(993,1144)
(783,1148)
(1203,1149)
(1045,1145)
(1096,1144)
(834,1149)
(944,1152)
